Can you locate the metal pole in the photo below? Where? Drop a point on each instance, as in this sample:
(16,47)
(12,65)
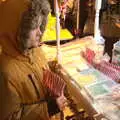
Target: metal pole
(78,14)
(57,31)
(97,35)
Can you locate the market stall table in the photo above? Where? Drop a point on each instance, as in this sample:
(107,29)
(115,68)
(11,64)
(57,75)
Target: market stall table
(79,72)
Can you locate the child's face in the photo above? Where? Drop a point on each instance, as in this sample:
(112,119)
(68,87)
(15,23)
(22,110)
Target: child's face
(34,38)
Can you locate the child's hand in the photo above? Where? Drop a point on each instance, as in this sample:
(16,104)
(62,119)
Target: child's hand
(62,102)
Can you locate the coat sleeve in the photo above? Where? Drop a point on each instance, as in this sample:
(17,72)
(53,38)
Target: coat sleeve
(11,108)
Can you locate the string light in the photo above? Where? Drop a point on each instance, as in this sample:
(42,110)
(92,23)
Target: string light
(3,0)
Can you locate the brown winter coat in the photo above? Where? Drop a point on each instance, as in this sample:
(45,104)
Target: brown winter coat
(21,86)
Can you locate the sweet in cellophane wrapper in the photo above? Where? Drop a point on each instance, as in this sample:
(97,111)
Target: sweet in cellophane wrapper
(98,51)
(116,53)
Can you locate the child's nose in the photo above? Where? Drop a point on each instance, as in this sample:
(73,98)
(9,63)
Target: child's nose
(39,31)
